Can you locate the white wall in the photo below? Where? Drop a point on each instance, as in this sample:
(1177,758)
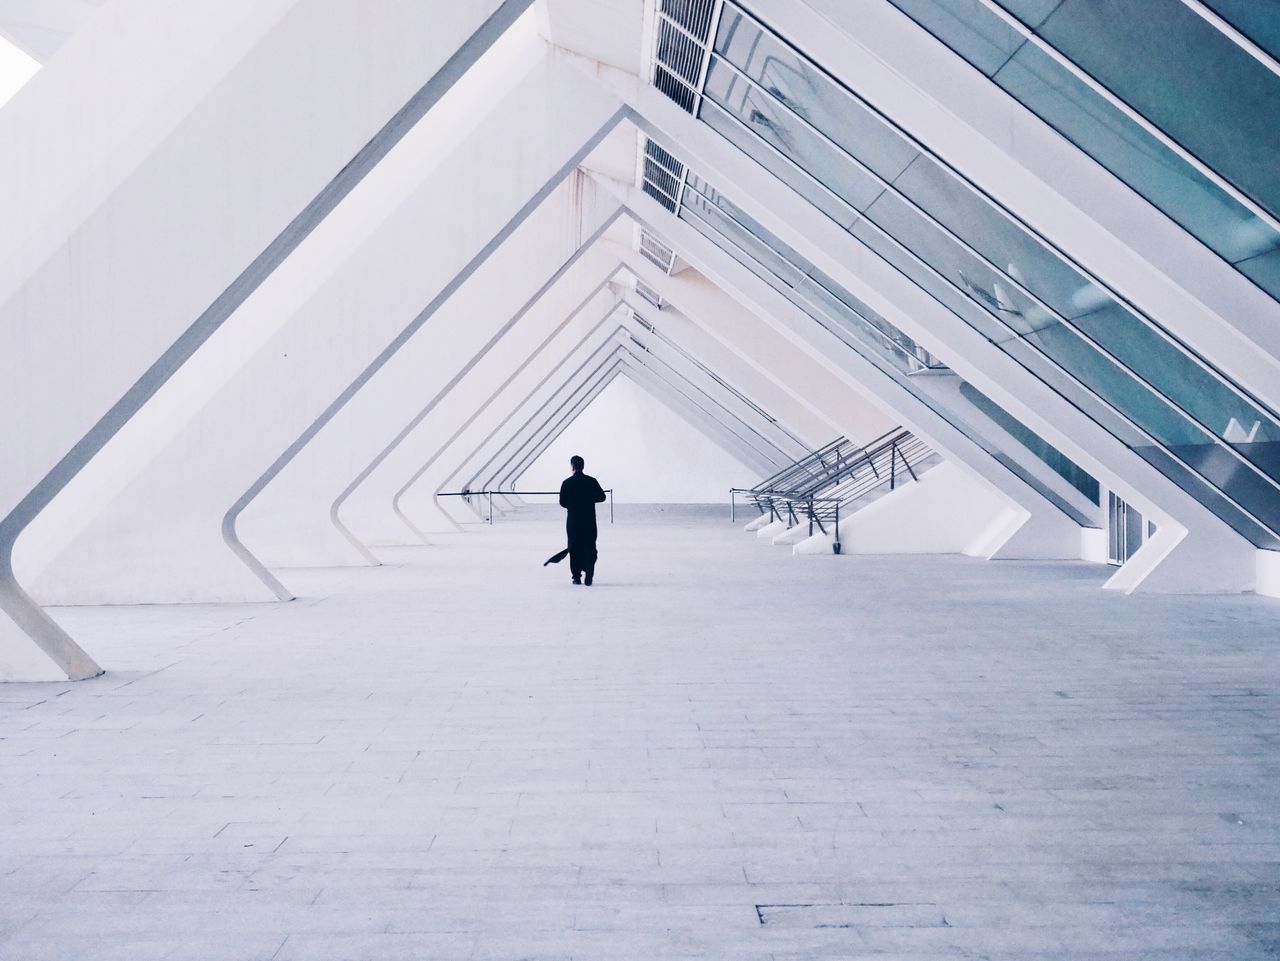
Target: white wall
(16,68)
(637,445)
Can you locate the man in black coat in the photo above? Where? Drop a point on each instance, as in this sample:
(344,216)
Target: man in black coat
(579,495)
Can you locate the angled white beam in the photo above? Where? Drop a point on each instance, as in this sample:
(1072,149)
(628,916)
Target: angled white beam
(715,330)
(746,429)
(716,384)
(586,351)
(215,462)
(1033,526)
(1028,167)
(509,359)
(305,506)
(364,503)
(936,387)
(1184,521)
(169,208)
(700,403)
(40,27)
(662,384)
(570,399)
(685,400)
(702,306)
(515,421)
(474,477)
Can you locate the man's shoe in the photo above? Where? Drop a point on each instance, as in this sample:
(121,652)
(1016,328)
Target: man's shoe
(578,580)
(588,580)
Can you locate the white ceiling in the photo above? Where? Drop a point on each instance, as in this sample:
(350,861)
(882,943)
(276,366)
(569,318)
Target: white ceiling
(606,30)
(40,27)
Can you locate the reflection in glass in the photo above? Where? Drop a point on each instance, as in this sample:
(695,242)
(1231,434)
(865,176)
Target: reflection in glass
(1184,75)
(784,112)
(1102,130)
(861,328)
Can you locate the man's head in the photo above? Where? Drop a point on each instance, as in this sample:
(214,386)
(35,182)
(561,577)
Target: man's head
(577,463)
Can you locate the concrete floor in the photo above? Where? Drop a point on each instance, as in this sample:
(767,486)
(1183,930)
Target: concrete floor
(718,751)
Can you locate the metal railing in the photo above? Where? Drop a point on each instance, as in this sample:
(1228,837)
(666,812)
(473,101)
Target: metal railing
(810,474)
(816,465)
(467,495)
(818,497)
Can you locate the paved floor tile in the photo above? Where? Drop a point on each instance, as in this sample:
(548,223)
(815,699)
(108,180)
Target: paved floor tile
(717,751)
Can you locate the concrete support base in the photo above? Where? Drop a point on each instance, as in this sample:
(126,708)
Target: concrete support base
(1176,560)
(792,536)
(771,530)
(945,512)
(1268,575)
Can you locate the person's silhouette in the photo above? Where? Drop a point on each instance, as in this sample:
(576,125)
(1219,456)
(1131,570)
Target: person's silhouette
(579,495)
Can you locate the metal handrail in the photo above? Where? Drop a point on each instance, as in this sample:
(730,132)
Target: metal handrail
(839,460)
(801,465)
(908,454)
(882,463)
(813,472)
(467,495)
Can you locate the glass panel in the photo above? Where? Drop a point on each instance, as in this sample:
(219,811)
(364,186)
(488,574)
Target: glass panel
(841,313)
(808,93)
(715,218)
(996,265)
(1259,20)
(1264,270)
(775,125)
(1069,470)
(969,28)
(1031,12)
(733,131)
(1186,77)
(1102,130)
(1068,294)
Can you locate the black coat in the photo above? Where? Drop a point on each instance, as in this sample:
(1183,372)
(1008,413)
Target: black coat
(579,496)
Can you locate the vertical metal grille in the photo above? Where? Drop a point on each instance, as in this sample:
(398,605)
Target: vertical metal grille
(655,153)
(648,293)
(662,176)
(680,52)
(681,49)
(659,196)
(668,182)
(656,252)
(674,89)
(694,15)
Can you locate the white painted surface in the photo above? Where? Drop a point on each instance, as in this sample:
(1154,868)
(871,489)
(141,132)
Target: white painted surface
(287,291)
(119,187)
(641,449)
(1268,581)
(41,27)
(16,68)
(1093,544)
(398,491)
(173,513)
(461,756)
(942,333)
(945,512)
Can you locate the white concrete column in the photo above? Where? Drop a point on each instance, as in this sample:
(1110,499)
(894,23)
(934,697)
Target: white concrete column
(308,505)
(868,277)
(176,512)
(365,503)
(117,187)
